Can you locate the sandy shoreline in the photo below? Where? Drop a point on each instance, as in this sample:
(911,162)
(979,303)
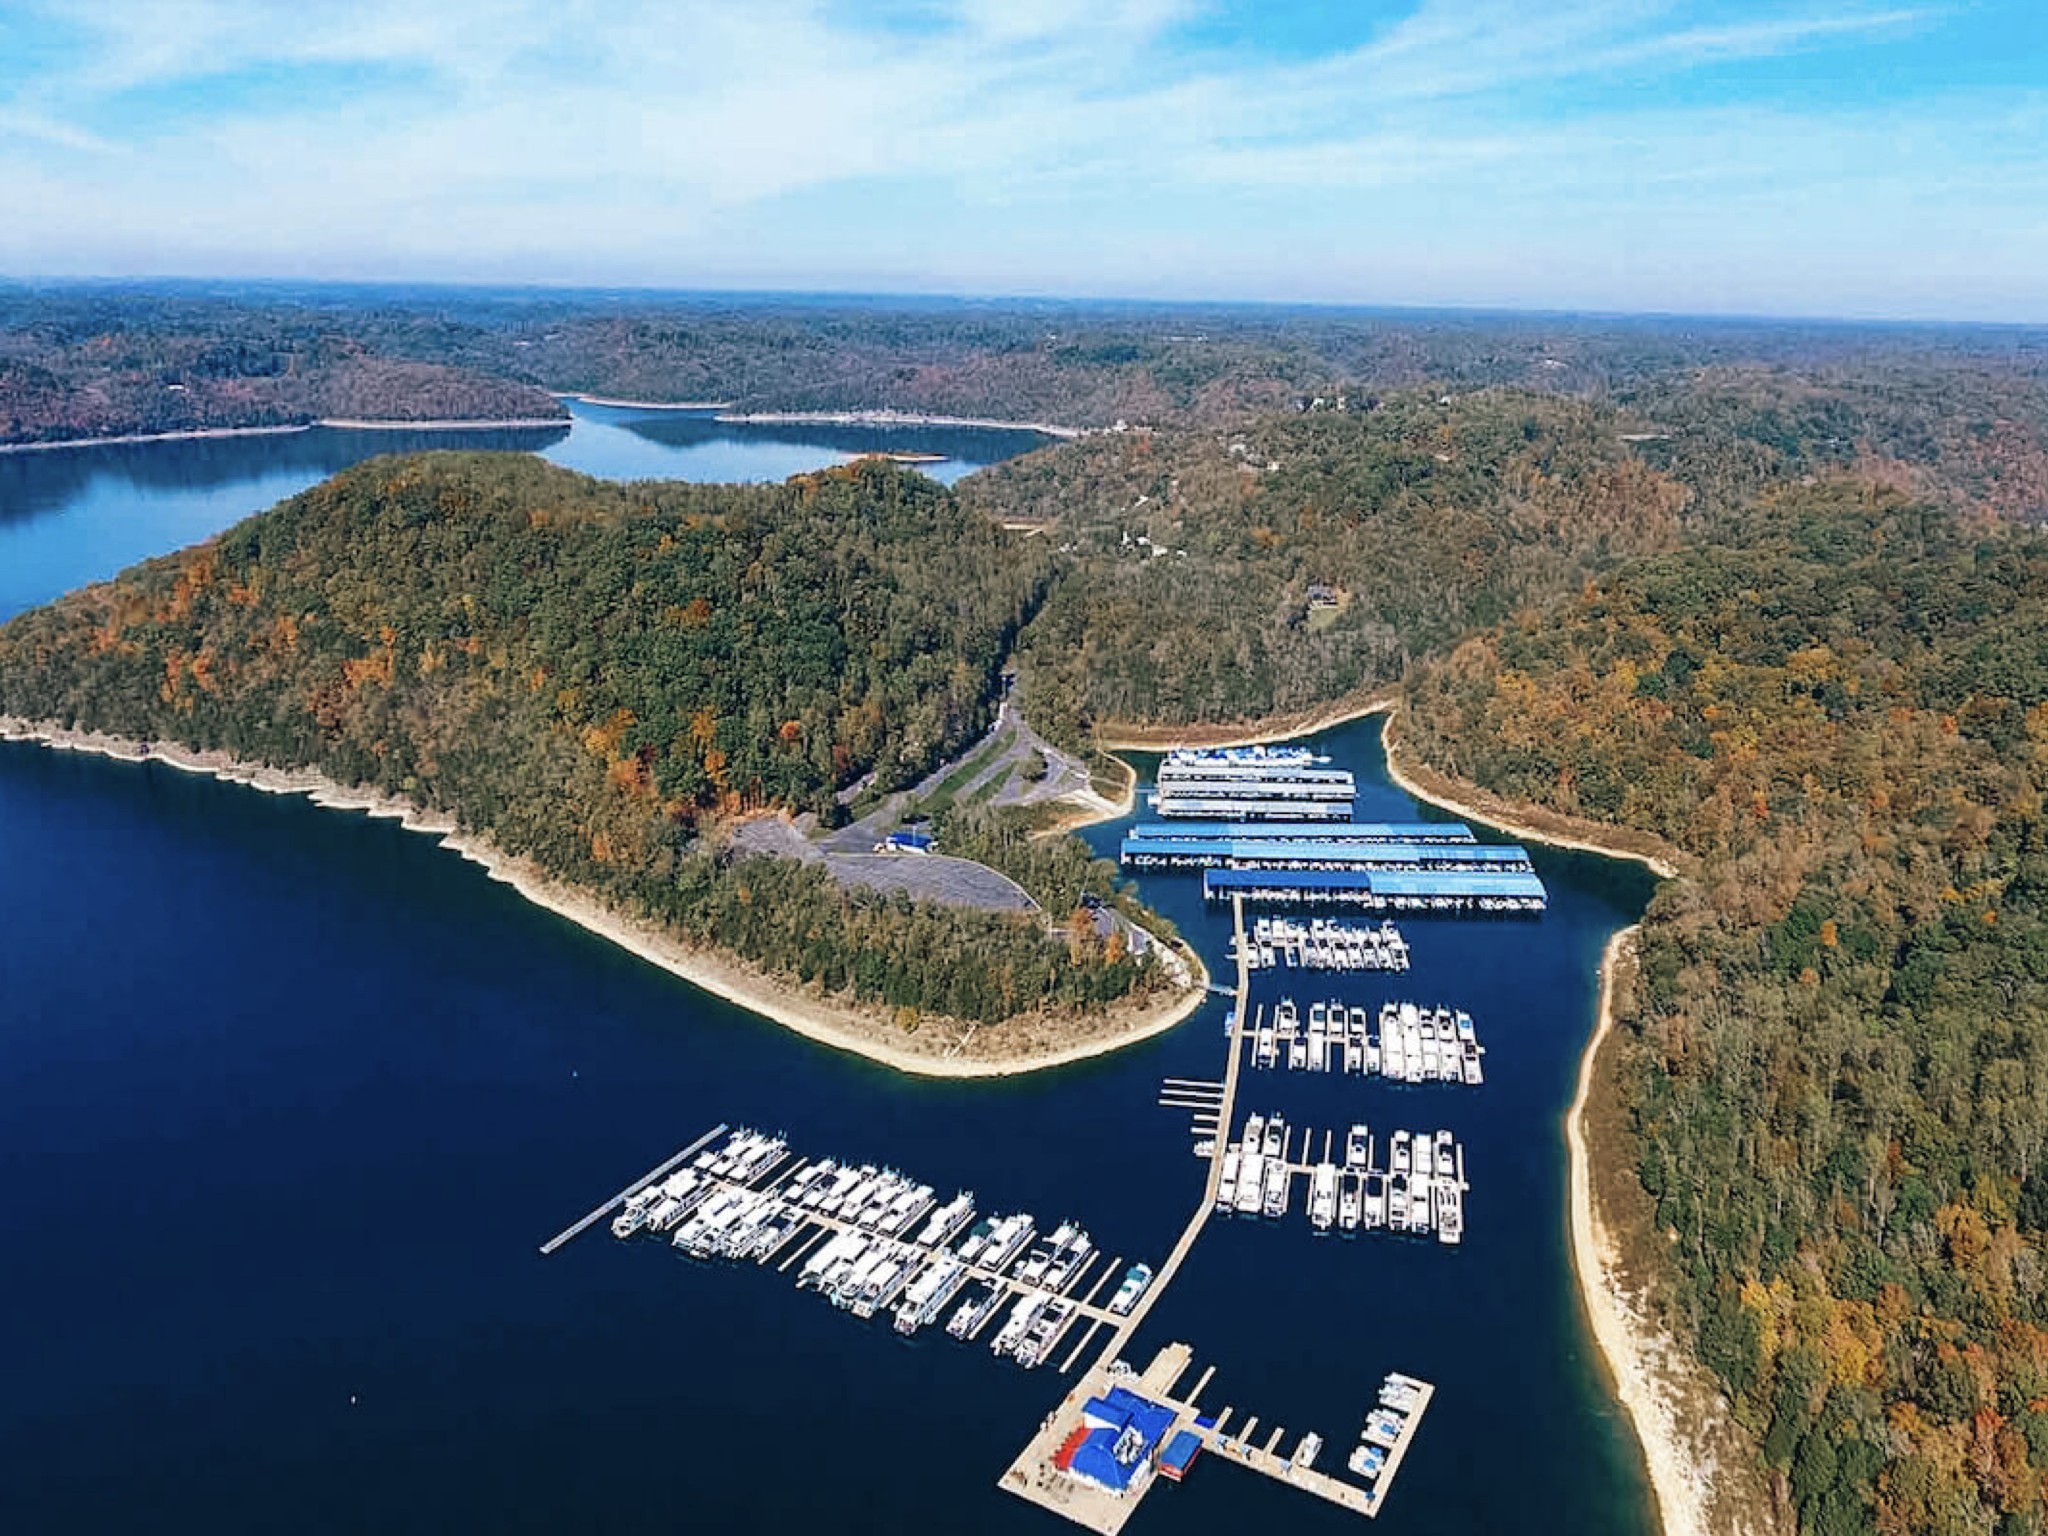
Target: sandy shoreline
(644,405)
(1637,1354)
(338,423)
(192,435)
(826,1021)
(1255,733)
(891,419)
(452,424)
(1640,1358)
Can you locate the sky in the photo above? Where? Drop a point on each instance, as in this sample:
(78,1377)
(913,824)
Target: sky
(1860,158)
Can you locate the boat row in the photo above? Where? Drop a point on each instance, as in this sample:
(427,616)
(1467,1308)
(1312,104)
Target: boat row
(1253,784)
(662,1205)
(1324,944)
(887,1245)
(1420,1191)
(1411,1044)
(1387,1424)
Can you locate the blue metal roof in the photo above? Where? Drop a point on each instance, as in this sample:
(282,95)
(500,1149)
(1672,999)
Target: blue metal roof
(1180,1450)
(1455,882)
(1280,831)
(1119,1409)
(1095,1459)
(1381,882)
(1315,850)
(1150,1417)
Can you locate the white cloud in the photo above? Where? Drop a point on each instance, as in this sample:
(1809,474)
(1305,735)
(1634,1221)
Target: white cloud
(1047,145)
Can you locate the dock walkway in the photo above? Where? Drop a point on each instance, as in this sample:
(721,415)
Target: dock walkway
(645,1179)
(1033,1475)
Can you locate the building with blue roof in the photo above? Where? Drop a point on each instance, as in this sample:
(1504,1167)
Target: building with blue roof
(1179,1454)
(1124,1430)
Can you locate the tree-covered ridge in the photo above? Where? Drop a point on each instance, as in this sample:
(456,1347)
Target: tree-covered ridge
(83,369)
(1215,577)
(588,672)
(1839,1063)
(89,359)
(1932,424)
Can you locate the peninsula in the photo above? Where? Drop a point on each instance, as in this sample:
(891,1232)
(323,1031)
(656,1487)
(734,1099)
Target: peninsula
(413,638)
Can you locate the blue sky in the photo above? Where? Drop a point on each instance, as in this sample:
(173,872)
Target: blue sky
(1887,158)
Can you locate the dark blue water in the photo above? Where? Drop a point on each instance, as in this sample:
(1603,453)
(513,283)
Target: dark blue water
(288,1098)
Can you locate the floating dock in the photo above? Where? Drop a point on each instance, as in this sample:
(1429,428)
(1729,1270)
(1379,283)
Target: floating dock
(871,1240)
(1309,850)
(1280,832)
(578,1228)
(1325,945)
(1118,1433)
(1249,784)
(1443,891)
(1406,1044)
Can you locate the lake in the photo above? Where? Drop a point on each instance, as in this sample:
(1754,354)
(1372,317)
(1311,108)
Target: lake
(288,1099)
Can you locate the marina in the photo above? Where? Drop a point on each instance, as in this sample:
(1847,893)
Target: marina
(1405,1044)
(872,1240)
(325,1017)
(1117,1433)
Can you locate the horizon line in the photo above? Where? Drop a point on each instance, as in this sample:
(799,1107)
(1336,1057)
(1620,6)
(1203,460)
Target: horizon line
(969,296)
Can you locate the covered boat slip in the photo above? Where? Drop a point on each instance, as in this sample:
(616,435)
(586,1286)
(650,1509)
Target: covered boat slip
(1347,832)
(1308,852)
(1240,808)
(1394,890)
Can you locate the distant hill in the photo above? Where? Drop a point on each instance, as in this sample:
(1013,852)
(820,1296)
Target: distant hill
(95,367)
(1212,577)
(94,359)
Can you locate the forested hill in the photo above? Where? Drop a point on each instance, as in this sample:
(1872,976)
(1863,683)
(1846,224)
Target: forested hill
(1221,577)
(1838,1067)
(588,672)
(85,370)
(96,359)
